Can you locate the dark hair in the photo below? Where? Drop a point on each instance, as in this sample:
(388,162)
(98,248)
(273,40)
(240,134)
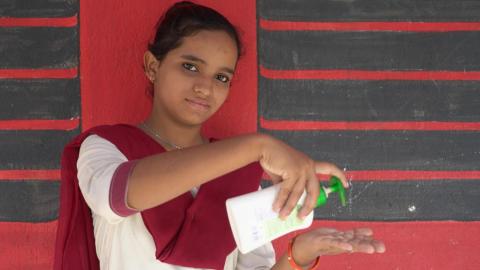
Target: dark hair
(184,19)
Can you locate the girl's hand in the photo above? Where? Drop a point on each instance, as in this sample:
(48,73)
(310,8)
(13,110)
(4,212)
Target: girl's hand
(297,173)
(325,241)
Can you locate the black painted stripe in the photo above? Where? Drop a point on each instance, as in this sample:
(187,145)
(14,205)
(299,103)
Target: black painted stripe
(389,150)
(39,99)
(405,201)
(371,10)
(34,150)
(38,8)
(369,100)
(38,47)
(29,201)
(37,201)
(369,50)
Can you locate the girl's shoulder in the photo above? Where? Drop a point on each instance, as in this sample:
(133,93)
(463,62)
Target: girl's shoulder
(115,133)
(132,141)
(124,136)
(115,128)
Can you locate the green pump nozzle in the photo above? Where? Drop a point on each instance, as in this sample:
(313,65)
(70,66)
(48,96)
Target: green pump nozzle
(335,186)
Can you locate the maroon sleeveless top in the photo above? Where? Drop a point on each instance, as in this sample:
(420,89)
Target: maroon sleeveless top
(190,232)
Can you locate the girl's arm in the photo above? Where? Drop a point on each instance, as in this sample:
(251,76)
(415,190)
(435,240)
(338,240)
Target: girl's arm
(160,178)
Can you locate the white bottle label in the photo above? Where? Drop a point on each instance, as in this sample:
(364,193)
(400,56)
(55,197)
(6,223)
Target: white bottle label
(254,223)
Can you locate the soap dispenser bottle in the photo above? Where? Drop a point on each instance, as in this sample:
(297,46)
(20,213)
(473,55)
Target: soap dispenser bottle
(254,223)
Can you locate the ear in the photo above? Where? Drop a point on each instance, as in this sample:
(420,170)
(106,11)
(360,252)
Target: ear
(150,65)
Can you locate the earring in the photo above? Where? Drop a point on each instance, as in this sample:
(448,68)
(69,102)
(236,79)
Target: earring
(151,79)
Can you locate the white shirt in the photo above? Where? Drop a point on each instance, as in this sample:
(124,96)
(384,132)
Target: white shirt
(124,243)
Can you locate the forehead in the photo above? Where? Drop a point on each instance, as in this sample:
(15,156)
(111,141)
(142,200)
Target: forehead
(214,47)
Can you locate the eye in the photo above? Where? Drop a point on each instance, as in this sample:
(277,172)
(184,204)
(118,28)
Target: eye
(190,67)
(223,78)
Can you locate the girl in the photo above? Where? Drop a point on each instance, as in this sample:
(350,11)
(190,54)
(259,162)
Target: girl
(153,196)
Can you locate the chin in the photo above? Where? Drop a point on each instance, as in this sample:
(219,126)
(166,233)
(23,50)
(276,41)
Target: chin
(194,122)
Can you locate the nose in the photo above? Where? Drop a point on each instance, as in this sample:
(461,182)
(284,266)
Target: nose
(203,86)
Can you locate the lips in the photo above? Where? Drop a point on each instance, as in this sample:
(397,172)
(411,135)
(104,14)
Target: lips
(198,104)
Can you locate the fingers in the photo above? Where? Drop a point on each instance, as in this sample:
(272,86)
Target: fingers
(363,231)
(323,231)
(332,245)
(379,246)
(332,242)
(339,245)
(282,197)
(313,191)
(288,191)
(308,183)
(362,246)
(368,246)
(362,241)
(330,169)
(291,190)
(293,197)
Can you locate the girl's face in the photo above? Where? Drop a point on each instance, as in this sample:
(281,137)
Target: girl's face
(193,80)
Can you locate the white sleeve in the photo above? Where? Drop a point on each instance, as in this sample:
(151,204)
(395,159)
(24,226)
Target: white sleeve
(97,162)
(260,258)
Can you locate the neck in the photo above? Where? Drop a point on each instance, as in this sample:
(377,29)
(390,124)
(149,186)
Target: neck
(174,133)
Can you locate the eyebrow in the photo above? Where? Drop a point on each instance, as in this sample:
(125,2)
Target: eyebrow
(200,60)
